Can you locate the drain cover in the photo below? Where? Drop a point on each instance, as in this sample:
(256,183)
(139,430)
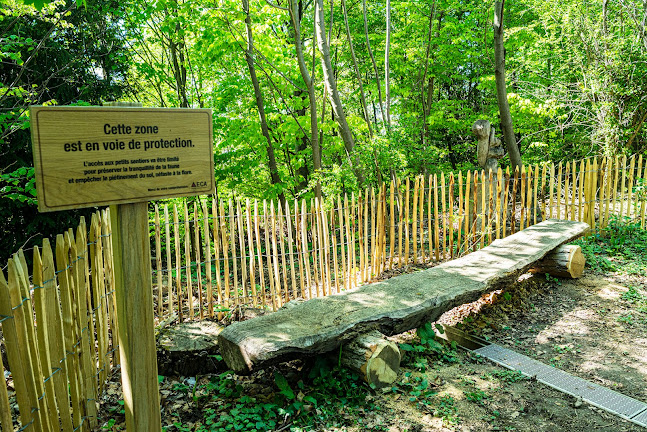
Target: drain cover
(597,395)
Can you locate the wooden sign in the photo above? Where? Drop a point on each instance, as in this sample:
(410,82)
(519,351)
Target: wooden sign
(90,156)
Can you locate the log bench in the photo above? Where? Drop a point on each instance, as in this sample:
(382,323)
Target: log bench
(393,306)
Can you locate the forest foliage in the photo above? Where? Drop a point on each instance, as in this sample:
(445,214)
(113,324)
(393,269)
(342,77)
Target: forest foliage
(408,78)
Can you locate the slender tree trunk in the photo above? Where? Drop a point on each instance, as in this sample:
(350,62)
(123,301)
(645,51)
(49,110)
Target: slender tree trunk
(425,97)
(331,86)
(359,77)
(370,53)
(260,105)
(312,100)
(387,84)
(501,92)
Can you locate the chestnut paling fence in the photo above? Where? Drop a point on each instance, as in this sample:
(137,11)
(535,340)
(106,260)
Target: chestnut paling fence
(212,257)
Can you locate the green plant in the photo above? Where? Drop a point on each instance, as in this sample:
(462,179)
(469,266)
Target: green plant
(633,296)
(431,346)
(476,396)
(627,319)
(447,409)
(508,376)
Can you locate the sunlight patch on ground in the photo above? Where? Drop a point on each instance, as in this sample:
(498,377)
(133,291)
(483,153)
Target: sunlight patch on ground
(572,323)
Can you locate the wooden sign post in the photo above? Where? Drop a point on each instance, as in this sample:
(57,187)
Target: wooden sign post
(125,156)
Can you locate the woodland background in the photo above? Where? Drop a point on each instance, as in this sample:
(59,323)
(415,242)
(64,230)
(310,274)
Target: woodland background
(407,79)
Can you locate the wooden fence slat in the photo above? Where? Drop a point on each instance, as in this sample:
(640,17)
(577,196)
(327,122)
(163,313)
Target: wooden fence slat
(406,224)
(111,301)
(325,243)
(312,217)
(333,237)
(197,247)
(623,184)
(535,204)
(506,194)
(284,266)
(217,217)
(430,221)
(6,422)
(178,274)
(68,265)
(467,223)
(383,224)
(643,204)
(443,222)
(224,239)
(638,182)
(260,254)
(290,249)
(605,189)
(11,328)
(513,213)
(20,308)
(365,271)
(170,303)
(483,208)
(207,257)
(543,191)
(158,262)
(42,337)
(373,207)
(299,252)
(559,192)
(630,184)
(421,220)
(85,320)
(242,256)
(54,323)
(522,192)
(551,188)
(342,242)
(498,198)
(251,253)
(350,236)
(268,254)
(304,241)
(490,204)
(580,190)
(475,200)
(414,216)
(234,253)
(45,402)
(100,310)
(188,262)
(275,256)
(434,186)
(570,175)
(594,189)
(449,217)
(392,225)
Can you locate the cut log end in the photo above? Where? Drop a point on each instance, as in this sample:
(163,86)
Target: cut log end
(374,357)
(566,261)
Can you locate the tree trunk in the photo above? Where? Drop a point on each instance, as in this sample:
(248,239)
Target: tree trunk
(312,100)
(370,53)
(501,92)
(359,77)
(387,84)
(331,86)
(260,105)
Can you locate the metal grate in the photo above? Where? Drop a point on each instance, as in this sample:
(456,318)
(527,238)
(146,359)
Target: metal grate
(597,395)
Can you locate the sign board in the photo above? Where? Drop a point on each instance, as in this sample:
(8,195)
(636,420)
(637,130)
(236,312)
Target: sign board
(91,156)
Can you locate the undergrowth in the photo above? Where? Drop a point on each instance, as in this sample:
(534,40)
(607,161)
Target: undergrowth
(618,247)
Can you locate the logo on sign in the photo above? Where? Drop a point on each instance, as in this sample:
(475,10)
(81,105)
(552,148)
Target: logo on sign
(199,184)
